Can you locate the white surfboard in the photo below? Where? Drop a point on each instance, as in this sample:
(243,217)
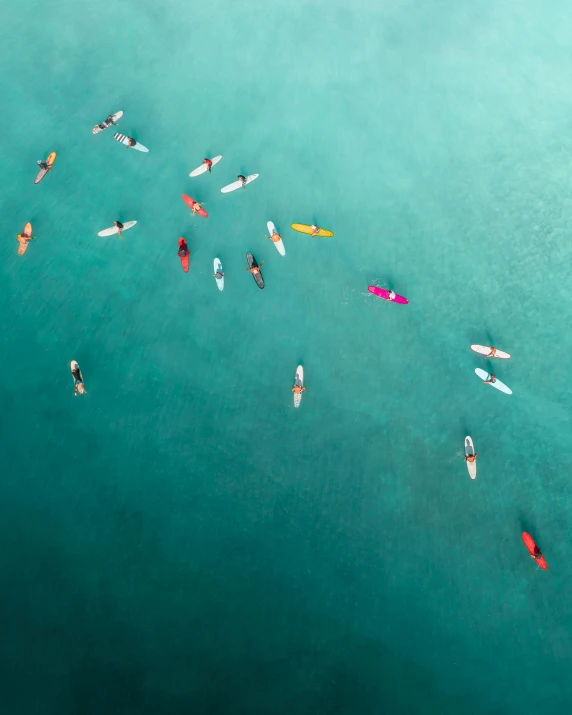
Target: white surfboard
(484,375)
(123,139)
(469,452)
(217,268)
(298,382)
(114,229)
(116,117)
(238,184)
(486,350)
(204,168)
(279,245)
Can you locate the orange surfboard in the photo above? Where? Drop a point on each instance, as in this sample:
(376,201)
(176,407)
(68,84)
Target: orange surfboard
(24,239)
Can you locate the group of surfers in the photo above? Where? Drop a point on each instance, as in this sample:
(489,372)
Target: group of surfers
(109,122)
(183,248)
(491,379)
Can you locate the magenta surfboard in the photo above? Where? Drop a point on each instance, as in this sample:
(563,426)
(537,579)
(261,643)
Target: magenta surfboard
(382,293)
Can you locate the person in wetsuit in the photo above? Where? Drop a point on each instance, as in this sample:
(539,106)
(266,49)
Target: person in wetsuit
(78,381)
(107,122)
(183,250)
(44,165)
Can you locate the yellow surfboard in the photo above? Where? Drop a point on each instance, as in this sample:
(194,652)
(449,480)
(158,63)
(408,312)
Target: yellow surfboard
(24,239)
(304,228)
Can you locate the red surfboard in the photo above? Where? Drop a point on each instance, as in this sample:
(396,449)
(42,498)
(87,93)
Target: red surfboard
(184,254)
(534,551)
(191,202)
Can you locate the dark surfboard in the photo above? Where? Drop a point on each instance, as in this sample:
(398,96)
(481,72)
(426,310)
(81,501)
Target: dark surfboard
(253,264)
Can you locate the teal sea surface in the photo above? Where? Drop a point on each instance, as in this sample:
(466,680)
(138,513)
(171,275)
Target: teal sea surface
(181,539)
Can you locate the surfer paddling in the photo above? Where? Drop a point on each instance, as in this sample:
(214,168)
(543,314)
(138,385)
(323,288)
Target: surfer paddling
(275,237)
(108,122)
(255,270)
(23,239)
(183,251)
(78,387)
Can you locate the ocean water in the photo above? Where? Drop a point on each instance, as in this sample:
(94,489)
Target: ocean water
(181,539)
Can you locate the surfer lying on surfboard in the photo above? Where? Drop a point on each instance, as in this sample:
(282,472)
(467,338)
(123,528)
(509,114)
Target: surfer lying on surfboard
(218,275)
(130,142)
(209,164)
(196,207)
(275,237)
(298,389)
(79,387)
(183,248)
(471,457)
(255,270)
(107,122)
(24,239)
(491,379)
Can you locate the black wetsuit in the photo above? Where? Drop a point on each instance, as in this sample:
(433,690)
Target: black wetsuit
(77,376)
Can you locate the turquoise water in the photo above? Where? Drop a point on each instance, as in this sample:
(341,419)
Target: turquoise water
(181,538)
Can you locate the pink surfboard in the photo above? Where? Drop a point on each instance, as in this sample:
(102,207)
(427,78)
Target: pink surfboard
(382,293)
